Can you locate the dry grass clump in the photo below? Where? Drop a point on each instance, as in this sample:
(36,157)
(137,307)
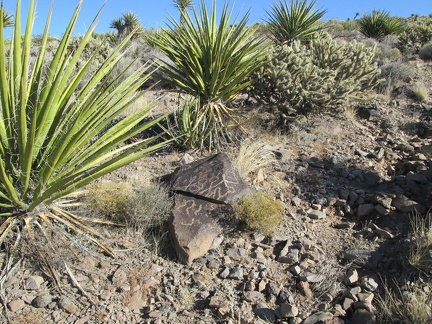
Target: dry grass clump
(260,211)
(421,248)
(392,76)
(411,305)
(419,92)
(141,206)
(253,155)
(350,112)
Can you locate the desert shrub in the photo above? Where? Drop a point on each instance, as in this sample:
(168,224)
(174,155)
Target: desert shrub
(260,211)
(421,239)
(378,24)
(416,33)
(296,21)
(410,305)
(425,52)
(211,61)
(392,75)
(299,80)
(140,205)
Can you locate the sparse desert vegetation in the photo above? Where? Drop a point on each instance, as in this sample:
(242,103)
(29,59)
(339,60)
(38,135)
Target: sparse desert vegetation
(328,123)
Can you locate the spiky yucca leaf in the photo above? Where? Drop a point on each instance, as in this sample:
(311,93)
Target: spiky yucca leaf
(210,60)
(378,24)
(296,21)
(55,135)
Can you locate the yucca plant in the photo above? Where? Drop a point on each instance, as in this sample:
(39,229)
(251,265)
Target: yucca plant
(296,21)
(56,137)
(7,19)
(378,24)
(211,62)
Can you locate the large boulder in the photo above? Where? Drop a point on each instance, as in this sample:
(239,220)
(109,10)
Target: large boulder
(202,190)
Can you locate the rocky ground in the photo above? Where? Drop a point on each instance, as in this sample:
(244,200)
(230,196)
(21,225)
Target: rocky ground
(349,186)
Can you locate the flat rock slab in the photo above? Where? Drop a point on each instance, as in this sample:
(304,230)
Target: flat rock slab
(202,190)
(194,227)
(212,178)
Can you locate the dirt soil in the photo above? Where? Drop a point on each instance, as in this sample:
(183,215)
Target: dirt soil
(331,164)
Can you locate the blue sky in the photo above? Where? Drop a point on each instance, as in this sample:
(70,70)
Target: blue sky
(152,13)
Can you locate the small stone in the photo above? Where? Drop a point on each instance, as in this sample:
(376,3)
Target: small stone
(66,304)
(288,310)
(34,282)
(367,297)
(265,313)
(383,233)
(369,284)
(253,296)
(304,288)
(236,273)
(405,205)
(155,314)
(236,253)
(311,277)
(381,210)
(351,277)
(225,273)
(295,270)
(186,159)
(318,317)
(365,209)
(273,289)
(317,214)
(347,303)
(362,316)
(16,305)
(250,285)
(42,301)
(119,276)
(218,301)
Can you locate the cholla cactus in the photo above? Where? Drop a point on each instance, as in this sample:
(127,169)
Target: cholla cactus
(416,33)
(299,80)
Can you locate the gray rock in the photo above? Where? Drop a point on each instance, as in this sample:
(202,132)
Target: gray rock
(186,159)
(66,304)
(405,205)
(34,282)
(236,253)
(351,277)
(365,209)
(317,214)
(369,284)
(384,201)
(318,318)
(288,310)
(371,179)
(265,313)
(417,177)
(311,277)
(253,296)
(42,301)
(225,273)
(236,273)
(362,316)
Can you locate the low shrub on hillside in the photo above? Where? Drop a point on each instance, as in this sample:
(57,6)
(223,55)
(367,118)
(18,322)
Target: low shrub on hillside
(417,32)
(425,52)
(299,80)
(260,211)
(378,24)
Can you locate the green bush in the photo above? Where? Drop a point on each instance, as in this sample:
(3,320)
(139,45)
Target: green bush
(299,80)
(378,24)
(425,52)
(260,211)
(417,32)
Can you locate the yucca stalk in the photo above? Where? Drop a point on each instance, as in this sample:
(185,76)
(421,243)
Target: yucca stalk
(296,21)
(57,136)
(210,61)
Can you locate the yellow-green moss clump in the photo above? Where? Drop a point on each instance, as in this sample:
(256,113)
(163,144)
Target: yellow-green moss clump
(260,211)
